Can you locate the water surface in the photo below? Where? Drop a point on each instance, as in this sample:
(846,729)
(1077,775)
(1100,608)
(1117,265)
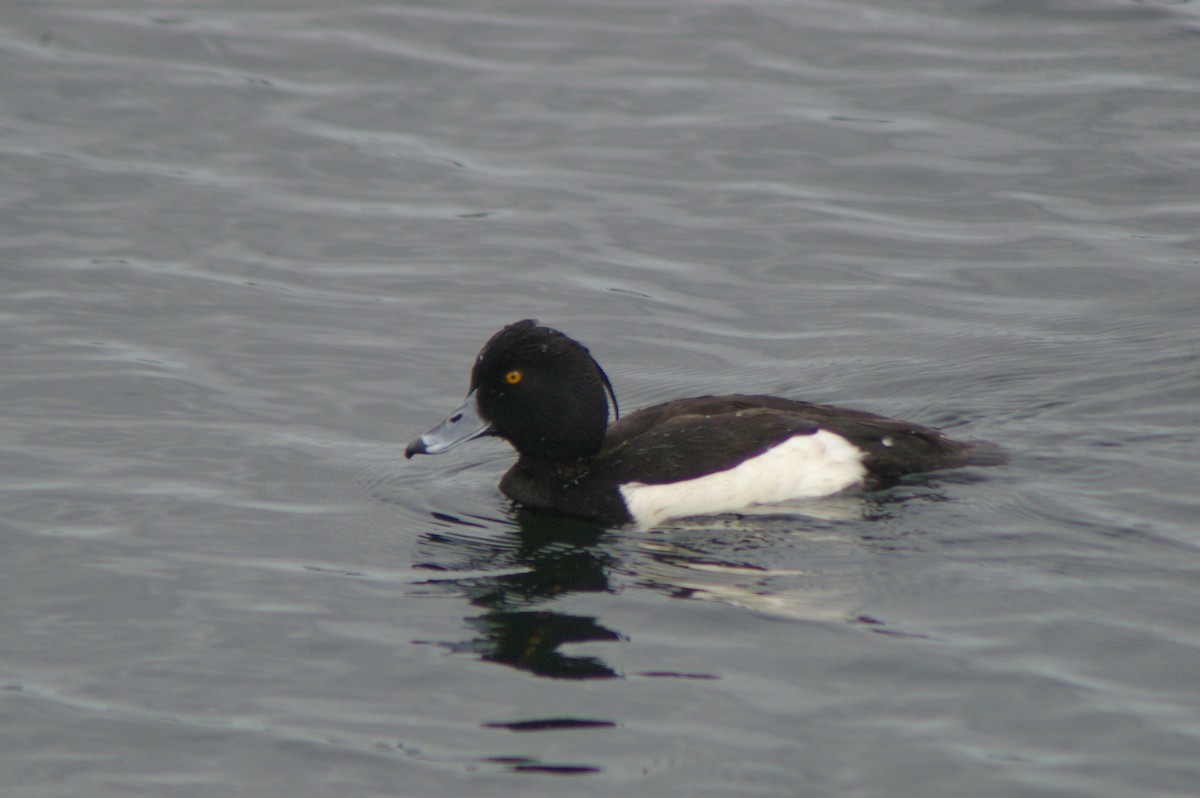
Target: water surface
(248,250)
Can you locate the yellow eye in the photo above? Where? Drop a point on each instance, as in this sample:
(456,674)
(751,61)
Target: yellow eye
(513,377)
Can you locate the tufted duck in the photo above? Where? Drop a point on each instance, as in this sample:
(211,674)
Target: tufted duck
(545,394)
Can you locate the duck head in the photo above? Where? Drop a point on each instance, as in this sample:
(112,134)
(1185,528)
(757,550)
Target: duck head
(535,387)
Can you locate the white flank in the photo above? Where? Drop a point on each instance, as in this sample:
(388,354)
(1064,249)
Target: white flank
(802,467)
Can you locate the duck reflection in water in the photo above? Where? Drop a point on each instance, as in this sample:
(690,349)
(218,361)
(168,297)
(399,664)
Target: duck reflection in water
(514,569)
(545,559)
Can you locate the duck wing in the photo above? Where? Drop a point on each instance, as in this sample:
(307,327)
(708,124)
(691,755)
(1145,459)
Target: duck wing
(687,438)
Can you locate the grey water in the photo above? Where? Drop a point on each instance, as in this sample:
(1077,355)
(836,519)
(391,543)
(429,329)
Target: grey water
(249,249)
